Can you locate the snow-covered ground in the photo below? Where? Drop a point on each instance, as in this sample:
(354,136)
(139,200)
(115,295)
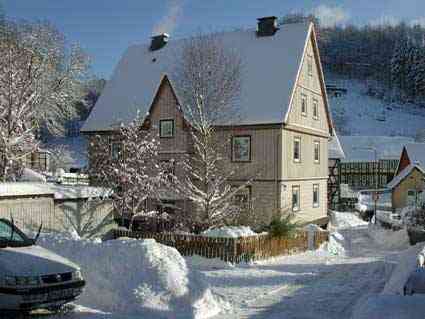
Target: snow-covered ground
(360,262)
(359,114)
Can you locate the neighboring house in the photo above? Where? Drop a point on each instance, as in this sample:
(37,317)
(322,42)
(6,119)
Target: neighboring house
(336,154)
(412,153)
(407,187)
(285,128)
(359,168)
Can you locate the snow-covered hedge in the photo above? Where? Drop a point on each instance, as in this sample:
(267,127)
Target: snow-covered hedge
(230,232)
(139,277)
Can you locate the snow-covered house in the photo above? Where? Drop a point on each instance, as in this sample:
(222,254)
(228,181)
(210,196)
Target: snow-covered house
(407,187)
(285,127)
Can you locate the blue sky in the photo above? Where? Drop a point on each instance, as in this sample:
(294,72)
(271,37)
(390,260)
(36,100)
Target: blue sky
(105,28)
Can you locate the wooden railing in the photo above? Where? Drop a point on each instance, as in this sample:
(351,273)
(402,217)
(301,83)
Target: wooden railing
(234,250)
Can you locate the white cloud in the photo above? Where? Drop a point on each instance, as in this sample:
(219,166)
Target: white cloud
(385,20)
(331,16)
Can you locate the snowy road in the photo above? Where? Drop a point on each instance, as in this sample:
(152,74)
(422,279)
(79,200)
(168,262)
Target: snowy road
(311,285)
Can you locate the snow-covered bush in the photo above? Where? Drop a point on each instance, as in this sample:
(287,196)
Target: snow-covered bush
(414,217)
(229,232)
(138,277)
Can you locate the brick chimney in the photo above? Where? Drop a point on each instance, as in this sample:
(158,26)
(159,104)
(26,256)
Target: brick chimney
(267,26)
(159,41)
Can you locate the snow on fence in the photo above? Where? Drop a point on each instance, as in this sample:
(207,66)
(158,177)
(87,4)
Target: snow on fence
(234,250)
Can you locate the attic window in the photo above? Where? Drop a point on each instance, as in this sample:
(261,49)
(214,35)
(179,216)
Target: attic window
(166,128)
(310,65)
(315,109)
(304,104)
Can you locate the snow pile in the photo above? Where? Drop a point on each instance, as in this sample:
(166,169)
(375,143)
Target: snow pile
(390,307)
(29,175)
(406,263)
(230,232)
(389,239)
(345,220)
(139,277)
(335,245)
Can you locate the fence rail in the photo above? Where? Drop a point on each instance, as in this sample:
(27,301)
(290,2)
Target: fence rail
(234,250)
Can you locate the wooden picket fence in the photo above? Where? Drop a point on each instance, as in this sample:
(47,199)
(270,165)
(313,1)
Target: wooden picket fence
(233,250)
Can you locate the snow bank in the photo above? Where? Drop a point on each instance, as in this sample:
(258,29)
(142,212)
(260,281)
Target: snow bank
(390,307)
(137,277)
(230,232)
(335,245)
(389,239)
(346,220)
(406,263)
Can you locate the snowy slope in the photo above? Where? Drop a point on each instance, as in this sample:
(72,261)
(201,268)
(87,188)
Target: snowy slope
(359,114)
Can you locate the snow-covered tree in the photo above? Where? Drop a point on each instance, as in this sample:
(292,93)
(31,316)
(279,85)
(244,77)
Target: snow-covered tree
(40,79)
(209,80)
(131,167)
(61,157)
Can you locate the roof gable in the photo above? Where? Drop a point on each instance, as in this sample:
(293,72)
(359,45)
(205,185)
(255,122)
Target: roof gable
(270,68)
(416,153)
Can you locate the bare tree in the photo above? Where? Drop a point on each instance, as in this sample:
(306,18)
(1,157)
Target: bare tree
(130,166)
(209,81)
(40,79)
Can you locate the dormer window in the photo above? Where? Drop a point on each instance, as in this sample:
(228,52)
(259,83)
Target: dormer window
(310,65)
(166,128)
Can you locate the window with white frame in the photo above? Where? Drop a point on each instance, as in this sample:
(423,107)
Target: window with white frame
(166,128)
(303,104)
(316,195)
(315,109)
(297,149)
(310,65)
(295,198)
(316,151)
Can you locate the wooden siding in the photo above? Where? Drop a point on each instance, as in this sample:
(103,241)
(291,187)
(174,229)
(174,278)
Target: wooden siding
(404,161)
(413,181)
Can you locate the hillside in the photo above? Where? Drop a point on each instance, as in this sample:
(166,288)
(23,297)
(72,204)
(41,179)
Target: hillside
(357,113)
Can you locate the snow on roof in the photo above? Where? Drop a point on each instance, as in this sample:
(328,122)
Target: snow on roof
(403,174)
(335,149)
(56,190)
(270,67)
(416,152)
(361,148)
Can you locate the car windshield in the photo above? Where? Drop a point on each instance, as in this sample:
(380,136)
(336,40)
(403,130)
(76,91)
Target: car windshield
(11,236)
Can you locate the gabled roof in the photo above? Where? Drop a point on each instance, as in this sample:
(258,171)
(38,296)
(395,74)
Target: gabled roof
(416,153)
(270,68)
(403,174)
(361,148)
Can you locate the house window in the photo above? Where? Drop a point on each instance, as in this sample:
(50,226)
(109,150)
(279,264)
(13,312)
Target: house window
(297,149)
(315,109)
(242,198)
(169,168)
(411,197)
(115,149)
(304,104)
(316,151)
(241,148)
(315,195)
(166,128)
(310,65)
(295,198)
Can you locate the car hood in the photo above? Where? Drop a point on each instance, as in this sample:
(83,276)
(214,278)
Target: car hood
(33,261)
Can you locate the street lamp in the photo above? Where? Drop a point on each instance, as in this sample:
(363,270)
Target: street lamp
(375,196)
